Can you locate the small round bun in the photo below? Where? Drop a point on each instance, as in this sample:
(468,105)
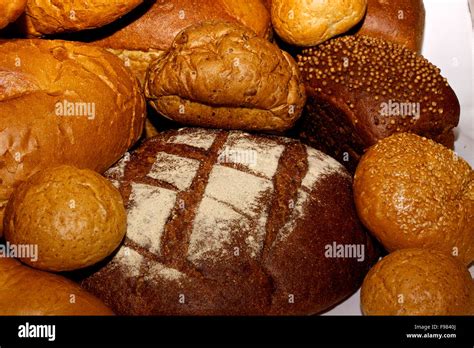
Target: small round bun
(418,282)
(10,10)
(308,23)
(75,217)
(411,192)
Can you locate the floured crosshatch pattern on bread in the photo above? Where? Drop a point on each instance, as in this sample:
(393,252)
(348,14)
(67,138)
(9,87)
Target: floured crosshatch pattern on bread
(195,215)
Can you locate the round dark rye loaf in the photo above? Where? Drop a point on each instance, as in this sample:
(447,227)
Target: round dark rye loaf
(209,236)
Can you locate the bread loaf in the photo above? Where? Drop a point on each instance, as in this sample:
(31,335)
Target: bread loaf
(149,31)
(53,17)
(399,21)
(24,291)
(10,10)
(308,23)
(63,103)
(227,223)
(221,75)
(90,212)
(362,89)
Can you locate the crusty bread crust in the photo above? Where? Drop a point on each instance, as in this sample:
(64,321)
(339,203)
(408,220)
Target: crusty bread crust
(214,235)
(40,77)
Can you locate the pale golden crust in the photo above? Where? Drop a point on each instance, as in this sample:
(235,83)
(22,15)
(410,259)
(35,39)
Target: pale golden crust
(418,282)
(223,76)
(76,217)
(308,23)
(411,192)
(52,17)
(24,291)
(36,75)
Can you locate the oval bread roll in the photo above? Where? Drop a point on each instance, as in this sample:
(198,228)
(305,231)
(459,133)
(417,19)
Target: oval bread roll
(52,17)
(24,291)
(63,103)
(10,10)
(221,75)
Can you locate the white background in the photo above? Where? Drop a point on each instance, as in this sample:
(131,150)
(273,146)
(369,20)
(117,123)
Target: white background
(449,45)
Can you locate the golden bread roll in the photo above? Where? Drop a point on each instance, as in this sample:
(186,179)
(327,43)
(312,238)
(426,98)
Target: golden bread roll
(308,23)
(25,291)
(221,75)
(146,33)
(418,282)
(411,192)
(53,17)
(75,217)
(63,103)
(10,10)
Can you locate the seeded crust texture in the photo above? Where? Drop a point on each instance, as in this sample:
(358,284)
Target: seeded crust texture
(211,237)
(222,75)
(418,282)
(414,193)
(35,76)
(10,10)
(350,79)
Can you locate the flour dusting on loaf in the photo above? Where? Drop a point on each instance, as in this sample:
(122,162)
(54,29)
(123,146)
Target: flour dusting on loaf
(202,202)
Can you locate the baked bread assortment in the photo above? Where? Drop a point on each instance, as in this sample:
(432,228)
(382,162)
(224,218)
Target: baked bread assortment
(399,21)
(362,89)
(75,217)
(418,282)
(308,23)
(411,192)
(149,31)
(51,17)
(25,291)
(211,220)
(211,209)
(10,10)
(63,103)
(221,75)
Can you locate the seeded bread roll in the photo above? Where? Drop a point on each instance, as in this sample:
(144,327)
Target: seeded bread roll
(25,291)
(411,192)
(363,89)
(399,21)
(10,10)
(53,17)
(63,103)
(227,223)
(149,31)
(222,75)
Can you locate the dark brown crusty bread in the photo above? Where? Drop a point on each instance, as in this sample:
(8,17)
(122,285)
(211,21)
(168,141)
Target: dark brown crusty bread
(148,32)
(41,81)
(227,223)
(25,291)
(362,89)
(222,75)
(399,21)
